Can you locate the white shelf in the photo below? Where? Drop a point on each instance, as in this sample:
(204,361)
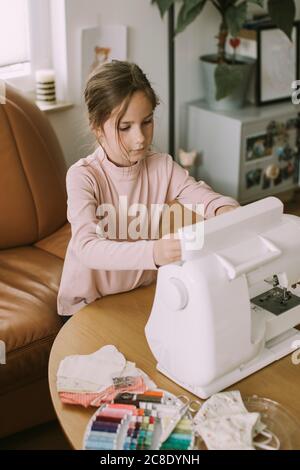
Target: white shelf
(58,106)
(250,112)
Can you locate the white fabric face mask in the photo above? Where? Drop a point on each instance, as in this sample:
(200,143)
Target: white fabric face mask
(234,432)
(224,422)
(93,372)
(221,404)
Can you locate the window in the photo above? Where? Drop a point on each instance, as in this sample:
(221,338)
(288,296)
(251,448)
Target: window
(26,34)
(14,34)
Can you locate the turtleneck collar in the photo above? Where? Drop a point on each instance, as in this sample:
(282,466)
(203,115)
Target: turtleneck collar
(120,172)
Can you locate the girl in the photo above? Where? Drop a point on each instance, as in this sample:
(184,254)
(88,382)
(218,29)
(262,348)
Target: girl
(121,104)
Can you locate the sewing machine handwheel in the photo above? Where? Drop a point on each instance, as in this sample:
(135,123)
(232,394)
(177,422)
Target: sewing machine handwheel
(177,294)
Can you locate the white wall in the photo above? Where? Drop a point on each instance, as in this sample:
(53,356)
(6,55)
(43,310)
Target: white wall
(194,41)
(147,45)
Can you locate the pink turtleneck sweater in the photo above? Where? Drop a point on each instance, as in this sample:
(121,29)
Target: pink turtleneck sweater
(96,266)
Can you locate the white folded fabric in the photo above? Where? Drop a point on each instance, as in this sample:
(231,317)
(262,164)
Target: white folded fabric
(95,372)
(224,423)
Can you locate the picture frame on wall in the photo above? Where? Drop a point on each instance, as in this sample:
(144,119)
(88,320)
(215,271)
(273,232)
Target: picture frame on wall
(101,44)
(277,61)
(277,64)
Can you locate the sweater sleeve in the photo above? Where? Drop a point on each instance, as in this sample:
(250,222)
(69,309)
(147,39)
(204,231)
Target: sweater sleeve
(187,190)
(93,251)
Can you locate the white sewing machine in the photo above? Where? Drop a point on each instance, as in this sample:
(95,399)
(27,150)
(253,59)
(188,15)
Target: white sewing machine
(228,308)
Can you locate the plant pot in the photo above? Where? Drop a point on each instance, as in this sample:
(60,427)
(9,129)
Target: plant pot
(238,98)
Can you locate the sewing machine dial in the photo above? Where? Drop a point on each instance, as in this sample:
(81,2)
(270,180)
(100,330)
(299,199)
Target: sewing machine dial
(176,295)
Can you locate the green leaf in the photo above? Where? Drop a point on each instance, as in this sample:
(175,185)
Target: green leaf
(236,17)
(190,4)
(257,2)
(187,14)
(227,78)
(163,5)
(283,14)
(222,3)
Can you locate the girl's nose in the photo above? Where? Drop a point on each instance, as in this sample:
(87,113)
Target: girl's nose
(140,143)
(139,138)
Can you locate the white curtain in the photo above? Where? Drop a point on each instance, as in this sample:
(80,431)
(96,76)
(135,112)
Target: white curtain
(14,32)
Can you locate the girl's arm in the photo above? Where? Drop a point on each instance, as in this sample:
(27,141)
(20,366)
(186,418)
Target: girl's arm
(91,250)
(187,190)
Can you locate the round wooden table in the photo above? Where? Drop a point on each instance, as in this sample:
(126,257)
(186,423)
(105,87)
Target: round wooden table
(120,320)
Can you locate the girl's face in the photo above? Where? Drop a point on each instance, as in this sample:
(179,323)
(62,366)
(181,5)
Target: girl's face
(135,131)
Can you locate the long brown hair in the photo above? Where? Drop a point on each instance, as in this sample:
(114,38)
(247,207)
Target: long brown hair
(110,85)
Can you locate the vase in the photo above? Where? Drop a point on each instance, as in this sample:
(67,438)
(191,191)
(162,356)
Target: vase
(238,98)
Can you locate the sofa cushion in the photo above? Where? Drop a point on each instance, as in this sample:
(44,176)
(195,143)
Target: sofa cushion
(57,243)
(33,198)
(29,282)
(25,407)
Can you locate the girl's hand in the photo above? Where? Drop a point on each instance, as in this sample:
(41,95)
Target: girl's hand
(223,209)
(166,250)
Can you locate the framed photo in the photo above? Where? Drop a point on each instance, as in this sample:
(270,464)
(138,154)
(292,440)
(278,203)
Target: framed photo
(102,44)
(277,64)
(257,146)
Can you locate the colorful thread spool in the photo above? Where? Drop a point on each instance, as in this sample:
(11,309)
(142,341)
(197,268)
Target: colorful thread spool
(181,438)
(134,424)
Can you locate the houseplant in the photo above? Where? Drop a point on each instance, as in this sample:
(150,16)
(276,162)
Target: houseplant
(225,74)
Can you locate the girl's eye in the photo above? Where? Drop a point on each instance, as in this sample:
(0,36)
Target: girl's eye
(127,128)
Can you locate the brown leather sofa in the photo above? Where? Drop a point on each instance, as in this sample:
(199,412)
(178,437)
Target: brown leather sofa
(34,234)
